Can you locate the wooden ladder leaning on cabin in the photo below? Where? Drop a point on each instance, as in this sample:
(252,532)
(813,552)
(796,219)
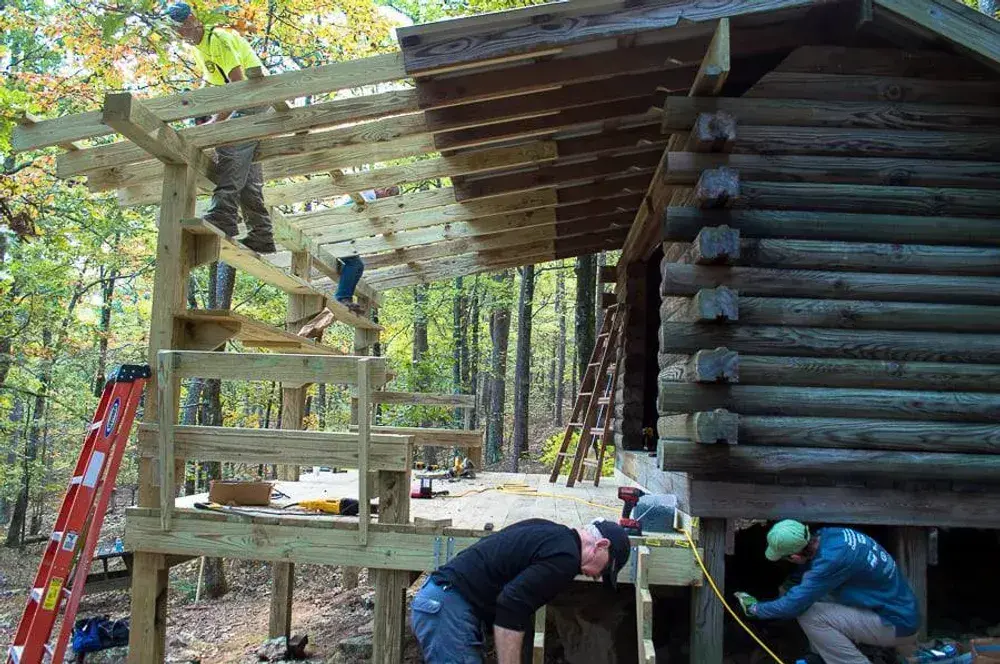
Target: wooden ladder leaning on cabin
(595,404)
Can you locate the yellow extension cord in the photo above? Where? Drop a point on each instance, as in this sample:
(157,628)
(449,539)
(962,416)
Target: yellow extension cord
(524,490)
(722,599)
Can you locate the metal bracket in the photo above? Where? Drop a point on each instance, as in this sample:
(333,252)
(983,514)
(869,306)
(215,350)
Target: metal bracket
(634,564)
(450,551)
(437,552)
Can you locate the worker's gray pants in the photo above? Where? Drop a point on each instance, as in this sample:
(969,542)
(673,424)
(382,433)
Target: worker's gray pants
(833,629)
(240,186)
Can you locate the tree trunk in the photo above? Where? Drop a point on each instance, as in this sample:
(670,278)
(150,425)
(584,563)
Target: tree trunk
(420,373)
(189,415)
(104,328)
(458,349)
(586,278)
(220,296)
(474,354)
(321,406)
(522,365)
(500,334)
(560,305)
(6,342)
(17,516)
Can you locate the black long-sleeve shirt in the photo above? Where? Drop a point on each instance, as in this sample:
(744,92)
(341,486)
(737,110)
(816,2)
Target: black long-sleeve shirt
(510,574)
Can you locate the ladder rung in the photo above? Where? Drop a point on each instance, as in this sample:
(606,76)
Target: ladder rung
(76,479)
(575,424)
(597,431)
(36,594)
(94,426)
(15,653)
(604,401)
(594,364)
(589,462)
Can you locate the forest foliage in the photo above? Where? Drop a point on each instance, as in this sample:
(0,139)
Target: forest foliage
(76,270)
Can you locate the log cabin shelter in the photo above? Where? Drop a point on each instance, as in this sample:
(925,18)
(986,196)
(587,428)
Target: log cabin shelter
(806,197)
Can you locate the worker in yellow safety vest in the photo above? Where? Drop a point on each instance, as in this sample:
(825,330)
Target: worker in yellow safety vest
(224,57)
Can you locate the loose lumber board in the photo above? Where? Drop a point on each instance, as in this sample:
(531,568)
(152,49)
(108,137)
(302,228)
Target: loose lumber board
(251,332)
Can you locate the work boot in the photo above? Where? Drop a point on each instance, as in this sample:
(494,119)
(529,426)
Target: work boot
(262,245)
(353,307)
(227,226)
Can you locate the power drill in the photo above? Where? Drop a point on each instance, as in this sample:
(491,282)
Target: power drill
(630,496)
(338,506)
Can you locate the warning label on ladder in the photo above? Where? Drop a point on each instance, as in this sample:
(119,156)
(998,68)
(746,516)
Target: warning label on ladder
(52,594)
(69,541)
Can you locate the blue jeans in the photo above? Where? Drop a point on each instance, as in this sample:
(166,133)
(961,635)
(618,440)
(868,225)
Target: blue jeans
(446,627)
(350,275)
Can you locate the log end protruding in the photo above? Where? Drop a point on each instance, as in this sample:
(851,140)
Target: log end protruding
(720,304)
(715,426)
(716,245)
(717,188)
(720,365)
(712,132)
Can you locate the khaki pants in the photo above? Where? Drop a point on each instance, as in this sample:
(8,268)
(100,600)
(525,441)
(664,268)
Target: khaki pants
(833,629)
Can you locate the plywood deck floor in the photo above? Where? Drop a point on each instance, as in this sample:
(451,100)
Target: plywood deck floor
(472,503)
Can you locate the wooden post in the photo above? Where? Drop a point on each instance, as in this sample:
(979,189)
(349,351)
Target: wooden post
(910,546)
(644,608)
(390,585)
(363,341)
(706,611)
(149,576)
(538,646)
(292,416)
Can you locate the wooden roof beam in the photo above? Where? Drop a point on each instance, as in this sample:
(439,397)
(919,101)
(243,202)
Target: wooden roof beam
(539,252)
(294,240)
(133,119)
(213,99)
(550,175)
(508,239)
(714,67)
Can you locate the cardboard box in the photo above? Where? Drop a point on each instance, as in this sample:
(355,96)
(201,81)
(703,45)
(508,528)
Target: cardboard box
(239,493)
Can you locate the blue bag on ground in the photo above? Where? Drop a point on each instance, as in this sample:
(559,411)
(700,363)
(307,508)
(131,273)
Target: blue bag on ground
(99,633)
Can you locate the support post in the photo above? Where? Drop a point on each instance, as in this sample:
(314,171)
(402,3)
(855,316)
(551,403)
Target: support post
(910,546)
(706,611)
(390,585)
(149,576)
(538,646)
(292,416)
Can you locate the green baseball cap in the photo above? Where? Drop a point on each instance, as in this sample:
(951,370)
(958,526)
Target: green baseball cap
(785,538)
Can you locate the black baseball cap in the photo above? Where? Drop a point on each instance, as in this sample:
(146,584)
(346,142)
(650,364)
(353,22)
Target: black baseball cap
(618,552)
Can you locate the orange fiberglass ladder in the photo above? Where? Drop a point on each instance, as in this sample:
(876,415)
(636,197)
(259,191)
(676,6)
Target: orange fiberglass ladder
(594,408)
(62,574)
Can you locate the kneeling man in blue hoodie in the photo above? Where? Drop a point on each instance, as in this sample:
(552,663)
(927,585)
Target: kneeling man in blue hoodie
(851,592)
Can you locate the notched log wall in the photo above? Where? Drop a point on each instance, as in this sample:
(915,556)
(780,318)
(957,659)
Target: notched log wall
(831,281)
